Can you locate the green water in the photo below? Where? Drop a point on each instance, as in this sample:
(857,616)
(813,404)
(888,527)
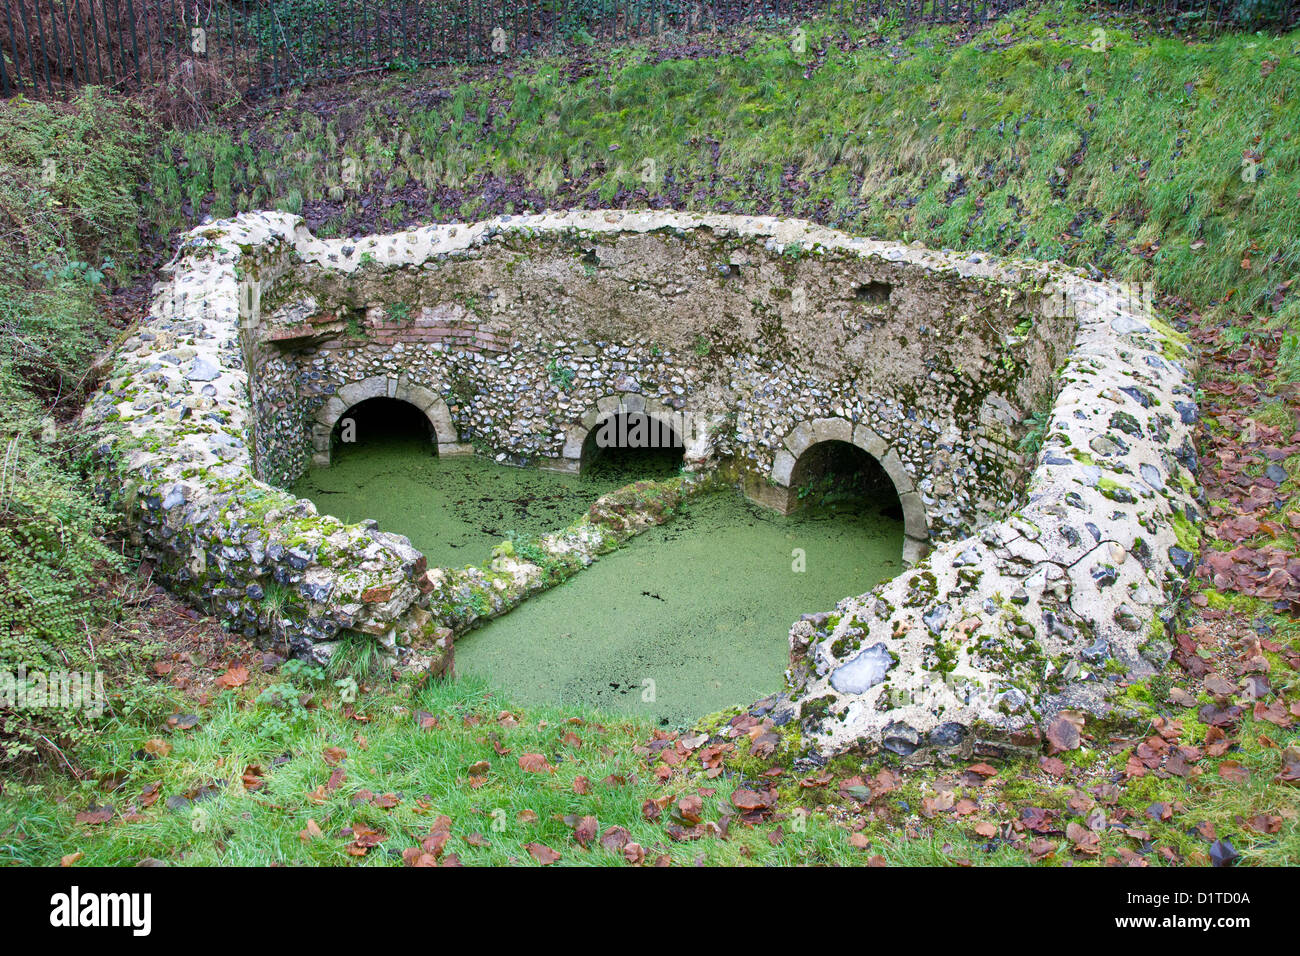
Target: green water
(687,618)
(700,606)
(457,509)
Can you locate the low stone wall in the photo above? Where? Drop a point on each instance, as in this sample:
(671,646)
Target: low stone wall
(177,454)
(517,337)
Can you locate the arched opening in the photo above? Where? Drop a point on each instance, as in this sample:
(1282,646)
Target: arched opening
(335,422)
(632,444)
(847,445)
(383,422)
(841,476)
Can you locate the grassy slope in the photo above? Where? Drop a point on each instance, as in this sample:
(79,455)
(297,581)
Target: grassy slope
(427,770)
(68,216)
(1024,141)
(860,142)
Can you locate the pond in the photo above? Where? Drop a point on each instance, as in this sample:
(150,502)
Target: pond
(457,509)
(688,618)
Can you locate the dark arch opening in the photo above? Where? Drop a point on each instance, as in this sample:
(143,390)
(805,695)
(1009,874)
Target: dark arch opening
(382,421)
(841,475)
(634,445)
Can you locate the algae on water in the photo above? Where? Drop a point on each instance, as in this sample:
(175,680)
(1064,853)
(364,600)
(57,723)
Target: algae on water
(455,510)
(689,617)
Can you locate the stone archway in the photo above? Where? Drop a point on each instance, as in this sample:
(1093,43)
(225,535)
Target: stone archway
(780,495)
(381,386)
(694,438)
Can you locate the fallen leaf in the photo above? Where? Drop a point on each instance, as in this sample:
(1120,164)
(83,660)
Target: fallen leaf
(1063,734)
(95,816)
(535,763)
(1265,823)
(235,676)
(585,830)
(748,800)
(252,777)
(1040,849)
(690,807)
(1233,771)
(1222,853)
(1290,773)
(541,853)
(1054,766)
(1084,840)
(311,832)
(615,839)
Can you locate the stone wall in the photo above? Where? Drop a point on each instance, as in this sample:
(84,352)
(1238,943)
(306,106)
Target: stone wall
(177,454)
(1048,610)
(769,335)
(517,336)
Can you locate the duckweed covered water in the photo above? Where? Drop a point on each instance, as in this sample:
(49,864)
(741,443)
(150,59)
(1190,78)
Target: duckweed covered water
(688,618)
(457,509)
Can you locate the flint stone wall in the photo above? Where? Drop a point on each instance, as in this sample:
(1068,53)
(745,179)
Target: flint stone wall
(772,335)
(177,455)
(518,335)
(977,648)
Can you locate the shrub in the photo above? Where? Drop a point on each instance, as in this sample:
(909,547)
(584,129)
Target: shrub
(68,176)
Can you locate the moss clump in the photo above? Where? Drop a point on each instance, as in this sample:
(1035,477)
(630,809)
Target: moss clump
(1187,533)
(816,709)
(1115,491)
(1174,345)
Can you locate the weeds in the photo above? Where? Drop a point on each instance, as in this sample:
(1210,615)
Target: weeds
(67,175)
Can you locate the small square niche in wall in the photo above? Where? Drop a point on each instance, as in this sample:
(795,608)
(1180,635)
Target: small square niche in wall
(872,294)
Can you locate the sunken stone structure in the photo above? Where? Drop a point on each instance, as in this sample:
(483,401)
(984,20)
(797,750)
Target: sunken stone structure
(1036,582)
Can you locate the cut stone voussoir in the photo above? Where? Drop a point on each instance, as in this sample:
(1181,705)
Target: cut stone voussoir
(755,340)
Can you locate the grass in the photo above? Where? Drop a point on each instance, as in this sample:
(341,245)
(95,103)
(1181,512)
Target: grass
(387,752)
(259,760)
(1026,140)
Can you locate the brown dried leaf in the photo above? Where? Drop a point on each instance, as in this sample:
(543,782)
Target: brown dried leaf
(542,853)
(535,763)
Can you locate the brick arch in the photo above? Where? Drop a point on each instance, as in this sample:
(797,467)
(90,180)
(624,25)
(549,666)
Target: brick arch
(382,386)
(622,403)
(916,527)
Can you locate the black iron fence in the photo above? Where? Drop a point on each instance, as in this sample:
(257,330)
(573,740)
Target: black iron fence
(237,47)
